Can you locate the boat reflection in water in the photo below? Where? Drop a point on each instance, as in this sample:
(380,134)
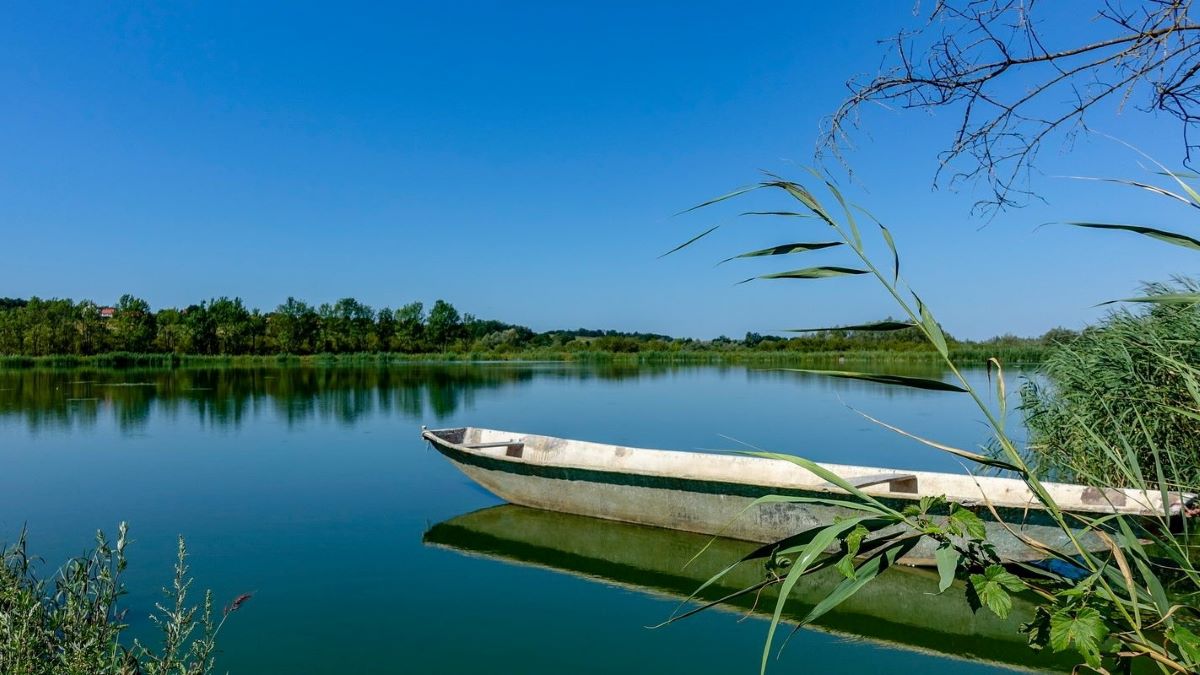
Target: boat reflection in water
(900,609)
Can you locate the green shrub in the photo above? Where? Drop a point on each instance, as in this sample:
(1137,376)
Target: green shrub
(74,624)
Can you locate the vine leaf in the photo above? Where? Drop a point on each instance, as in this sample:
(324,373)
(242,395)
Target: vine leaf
(947,558)
(1084,628)
(995,587)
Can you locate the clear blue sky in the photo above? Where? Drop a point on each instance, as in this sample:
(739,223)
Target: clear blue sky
(521,160)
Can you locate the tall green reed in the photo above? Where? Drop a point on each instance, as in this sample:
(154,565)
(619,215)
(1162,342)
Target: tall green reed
(1135,601)
(1131,372)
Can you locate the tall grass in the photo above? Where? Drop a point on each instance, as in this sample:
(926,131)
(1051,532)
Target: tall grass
(1125,380)
(1134,602)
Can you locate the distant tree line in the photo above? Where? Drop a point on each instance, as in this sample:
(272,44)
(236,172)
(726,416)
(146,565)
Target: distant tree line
(225,326)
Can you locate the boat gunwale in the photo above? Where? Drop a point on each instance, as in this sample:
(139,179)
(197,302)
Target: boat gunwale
(1139,503)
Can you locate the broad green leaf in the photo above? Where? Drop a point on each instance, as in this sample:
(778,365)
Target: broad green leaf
(1161,235)
(785,249)
(1082,628)
(877,326)
(1186,642)
(1038,629)
(994,588)
(691,241)
(899,380)
(947,558)
(852,542)
(968,523)
(823,272)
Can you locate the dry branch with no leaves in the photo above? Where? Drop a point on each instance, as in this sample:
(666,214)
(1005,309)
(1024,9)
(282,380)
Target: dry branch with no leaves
(987,60)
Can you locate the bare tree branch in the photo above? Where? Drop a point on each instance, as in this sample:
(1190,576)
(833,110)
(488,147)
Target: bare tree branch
(987,61)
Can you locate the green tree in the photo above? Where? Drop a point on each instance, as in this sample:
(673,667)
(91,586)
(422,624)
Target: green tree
(384,332)
(294,326)
(353,323)
(410,329)
(200,329)
(444,326)
(231,326)
(91,336)
(132,324)
(171,335)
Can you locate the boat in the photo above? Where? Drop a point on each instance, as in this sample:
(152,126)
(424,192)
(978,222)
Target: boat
(901,609)
(712,493)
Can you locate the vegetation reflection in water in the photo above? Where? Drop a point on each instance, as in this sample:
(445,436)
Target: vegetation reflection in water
(902,609)
(224,396)
(285,462)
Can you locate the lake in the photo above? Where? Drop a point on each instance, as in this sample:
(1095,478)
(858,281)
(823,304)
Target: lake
(368,553)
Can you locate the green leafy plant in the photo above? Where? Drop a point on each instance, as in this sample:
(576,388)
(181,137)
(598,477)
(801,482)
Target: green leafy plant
(75,623)
(1134,601)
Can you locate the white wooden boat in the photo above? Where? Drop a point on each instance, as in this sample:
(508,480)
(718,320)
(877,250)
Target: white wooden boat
(709,493)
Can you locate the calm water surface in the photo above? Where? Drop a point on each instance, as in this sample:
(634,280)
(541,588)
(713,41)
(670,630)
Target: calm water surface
(311,488)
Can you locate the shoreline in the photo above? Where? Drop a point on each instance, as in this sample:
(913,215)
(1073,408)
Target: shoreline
(125,360)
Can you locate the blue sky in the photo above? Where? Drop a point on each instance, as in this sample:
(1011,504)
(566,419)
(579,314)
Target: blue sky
(521,160)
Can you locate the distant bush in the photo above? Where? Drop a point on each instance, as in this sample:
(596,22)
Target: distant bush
(1125,383)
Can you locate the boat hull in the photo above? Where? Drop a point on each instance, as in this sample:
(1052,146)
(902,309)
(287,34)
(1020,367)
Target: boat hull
(714,507)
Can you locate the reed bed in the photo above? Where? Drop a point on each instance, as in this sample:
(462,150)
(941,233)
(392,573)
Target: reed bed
(1133,606)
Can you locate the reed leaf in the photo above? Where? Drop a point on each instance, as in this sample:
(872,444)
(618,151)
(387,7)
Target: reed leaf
(1144,186)
(824,272)
(1164,299)
(932,329)
(887,237)
(820,543)
(730,195)
(965,454)
(898,380)
(863,574)
(691,241)
(1161,235)
(828,476)
(785,249)
(877,326)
